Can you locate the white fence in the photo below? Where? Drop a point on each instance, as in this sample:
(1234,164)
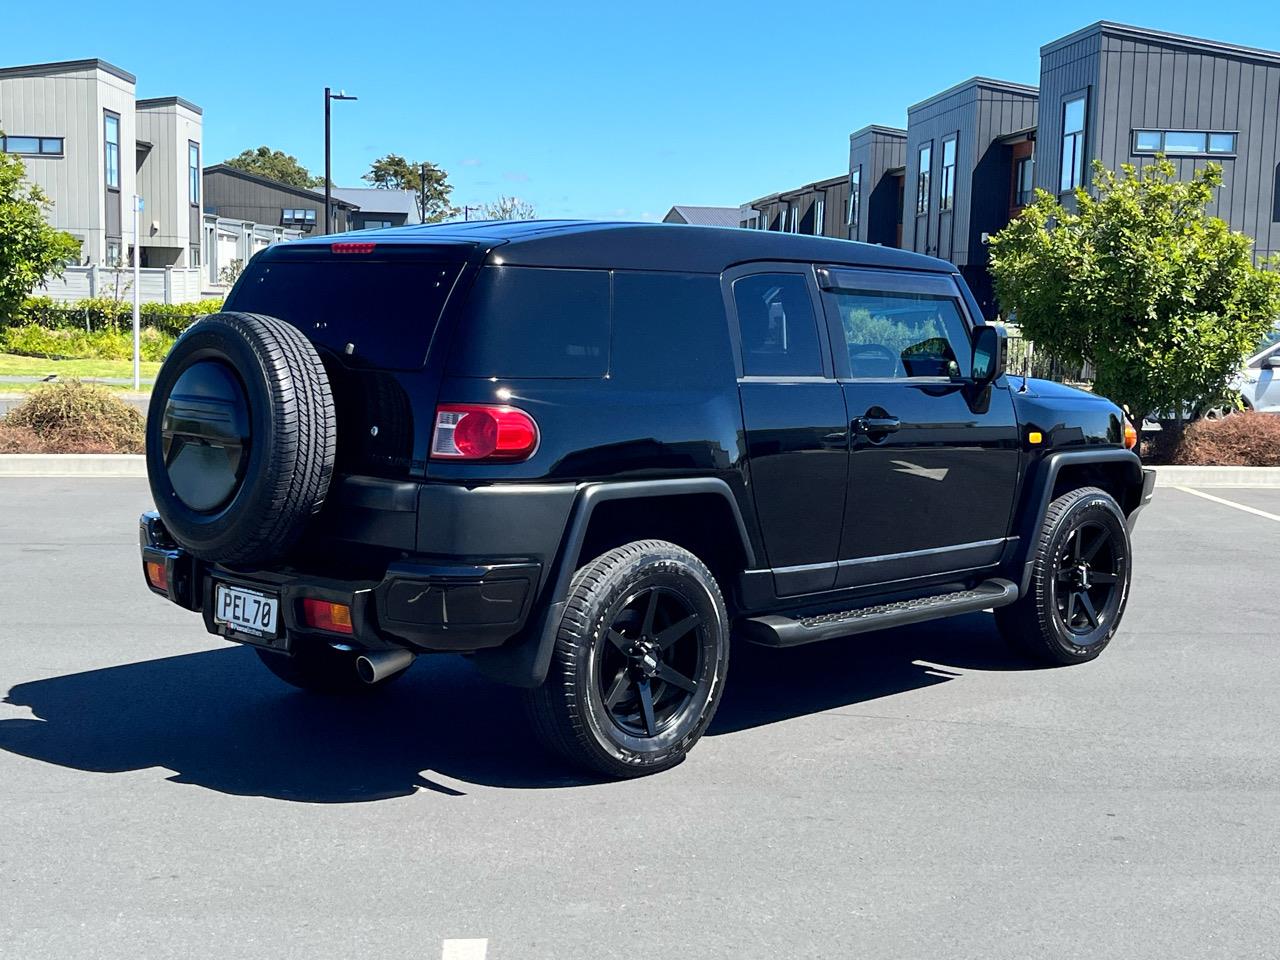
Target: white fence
(156,284)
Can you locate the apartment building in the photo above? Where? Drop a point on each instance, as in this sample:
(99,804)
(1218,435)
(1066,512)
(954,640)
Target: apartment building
(971,156)
(817,208)
(87,140)
(239,195)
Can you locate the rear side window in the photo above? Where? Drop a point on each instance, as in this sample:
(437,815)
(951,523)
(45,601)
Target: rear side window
(386,309)
(533,322)
(777,326)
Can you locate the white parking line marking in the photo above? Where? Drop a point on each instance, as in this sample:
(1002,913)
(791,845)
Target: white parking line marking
(1230,503)
(464,950)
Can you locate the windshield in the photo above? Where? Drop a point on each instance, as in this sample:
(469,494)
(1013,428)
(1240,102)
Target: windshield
(1269,339)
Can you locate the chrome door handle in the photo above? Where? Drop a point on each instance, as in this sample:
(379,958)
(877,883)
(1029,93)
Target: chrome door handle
(868,425)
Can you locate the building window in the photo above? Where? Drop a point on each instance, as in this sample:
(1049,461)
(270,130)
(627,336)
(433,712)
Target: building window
(299,217)
(855,196)
(111,148)
(193,172)
(1023,181)
(376,224)
(922,178)
(1184,142)
(793,217)
(819,214)
(947,197)
(32,146)
(195,257)
(1072,144)
(113,253)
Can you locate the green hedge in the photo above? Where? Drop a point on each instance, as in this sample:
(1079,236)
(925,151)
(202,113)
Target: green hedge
(31,340)
(106,314)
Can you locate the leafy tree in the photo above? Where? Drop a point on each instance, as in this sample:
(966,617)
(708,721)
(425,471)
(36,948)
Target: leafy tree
(31,251)
(275,165)
(1161,297)
(509,208)
(429,182)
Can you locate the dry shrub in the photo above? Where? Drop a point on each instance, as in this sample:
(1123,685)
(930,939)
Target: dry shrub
(1240,440)
(72,417)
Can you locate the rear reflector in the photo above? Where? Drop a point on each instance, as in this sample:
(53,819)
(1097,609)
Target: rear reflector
(324,615)
(352,247)
(157,575)
(467,431)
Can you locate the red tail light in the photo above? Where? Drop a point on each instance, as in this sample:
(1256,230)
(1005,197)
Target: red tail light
(467,431)
(326,615)
(352,247)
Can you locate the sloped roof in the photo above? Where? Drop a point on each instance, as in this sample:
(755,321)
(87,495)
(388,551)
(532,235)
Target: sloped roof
(705,216)
(375,200)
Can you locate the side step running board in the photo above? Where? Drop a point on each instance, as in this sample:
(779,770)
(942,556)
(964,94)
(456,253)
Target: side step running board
(774,630)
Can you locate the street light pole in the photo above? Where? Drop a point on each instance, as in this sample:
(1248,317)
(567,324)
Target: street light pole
(329,96)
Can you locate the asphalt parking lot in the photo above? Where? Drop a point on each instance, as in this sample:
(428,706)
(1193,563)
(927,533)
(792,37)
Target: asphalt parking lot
(920,793)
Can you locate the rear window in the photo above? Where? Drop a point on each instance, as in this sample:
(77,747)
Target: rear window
(533,322)
(388,309)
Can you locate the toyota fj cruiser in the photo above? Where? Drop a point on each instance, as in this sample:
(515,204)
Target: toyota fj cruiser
(583,454)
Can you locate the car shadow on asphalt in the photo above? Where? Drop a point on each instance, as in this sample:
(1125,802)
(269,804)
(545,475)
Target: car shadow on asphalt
(219,720)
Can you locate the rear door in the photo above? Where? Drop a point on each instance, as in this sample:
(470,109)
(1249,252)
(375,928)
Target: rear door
(933,460)
(794,414)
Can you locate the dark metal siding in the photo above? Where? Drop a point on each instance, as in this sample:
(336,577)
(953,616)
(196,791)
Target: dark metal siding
(977,114)
(227,195)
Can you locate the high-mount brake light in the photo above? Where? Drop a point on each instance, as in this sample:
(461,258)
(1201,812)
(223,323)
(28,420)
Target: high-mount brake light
(472,431)
(350,246)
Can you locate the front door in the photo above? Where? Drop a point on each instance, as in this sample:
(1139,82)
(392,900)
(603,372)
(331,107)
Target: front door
(933,459)
(795,419)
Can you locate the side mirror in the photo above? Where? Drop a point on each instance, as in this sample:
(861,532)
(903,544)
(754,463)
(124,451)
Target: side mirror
(1272,362)
(990,353)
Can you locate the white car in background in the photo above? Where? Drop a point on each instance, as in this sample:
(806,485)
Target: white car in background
(1258,382)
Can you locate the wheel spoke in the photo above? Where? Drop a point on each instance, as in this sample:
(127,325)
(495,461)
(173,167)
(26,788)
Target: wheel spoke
(1076,537)
(1063,576)
(1071,608)
(675,678)
(618,640)
(677,630)
(1087,603)
(1097,545)
(650,611)
(618,688)
(646,706)
(1095,577)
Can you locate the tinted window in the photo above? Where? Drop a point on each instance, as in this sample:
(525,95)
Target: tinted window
(535,322)
(896,335)
(778,328)
(387,309)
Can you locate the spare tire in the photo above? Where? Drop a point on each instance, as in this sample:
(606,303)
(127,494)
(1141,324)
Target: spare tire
(241,435)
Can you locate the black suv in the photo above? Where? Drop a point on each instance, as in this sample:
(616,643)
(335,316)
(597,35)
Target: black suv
(583,454)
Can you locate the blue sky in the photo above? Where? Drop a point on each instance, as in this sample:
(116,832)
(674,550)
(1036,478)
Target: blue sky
(586,109)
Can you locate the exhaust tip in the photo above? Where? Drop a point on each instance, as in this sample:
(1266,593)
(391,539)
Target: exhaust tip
(378,665)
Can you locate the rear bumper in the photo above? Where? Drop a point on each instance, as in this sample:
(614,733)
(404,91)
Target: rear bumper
(435,605)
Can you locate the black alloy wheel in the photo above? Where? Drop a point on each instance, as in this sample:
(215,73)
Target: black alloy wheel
(1086,584)
(645,674)
(1079,582)
(639,662)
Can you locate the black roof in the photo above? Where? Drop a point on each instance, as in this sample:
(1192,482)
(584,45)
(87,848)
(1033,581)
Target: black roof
(636,246)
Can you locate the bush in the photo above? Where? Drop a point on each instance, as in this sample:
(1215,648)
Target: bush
(1240,440)
(104,313)
(72,417)
(65,343)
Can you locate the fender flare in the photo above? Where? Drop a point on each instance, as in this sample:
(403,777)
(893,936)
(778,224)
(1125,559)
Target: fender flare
(524,661)
(1040,493)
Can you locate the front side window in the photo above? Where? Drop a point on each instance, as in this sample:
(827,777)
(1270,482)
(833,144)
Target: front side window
(819,215)
(894,336)
(855,196)
(922,178)
(947,198)
(1072,144)
(777,326)
(111,149)
(193,172)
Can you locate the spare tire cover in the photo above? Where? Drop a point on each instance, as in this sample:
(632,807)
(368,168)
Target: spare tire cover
(241,436)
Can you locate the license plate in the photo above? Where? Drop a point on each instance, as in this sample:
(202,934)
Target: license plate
(246,611)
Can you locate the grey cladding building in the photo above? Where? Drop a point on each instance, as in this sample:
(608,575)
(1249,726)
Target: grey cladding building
(238,195)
